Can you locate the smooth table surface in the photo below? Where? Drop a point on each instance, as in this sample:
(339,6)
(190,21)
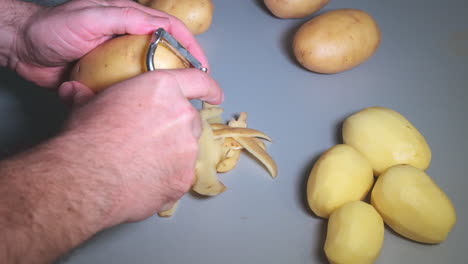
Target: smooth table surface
(420,70)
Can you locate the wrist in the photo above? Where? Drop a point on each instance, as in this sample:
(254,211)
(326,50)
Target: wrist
(52,199)
(82,180)
(14,15)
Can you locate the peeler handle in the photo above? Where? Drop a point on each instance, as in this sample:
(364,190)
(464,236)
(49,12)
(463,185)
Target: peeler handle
(162,35)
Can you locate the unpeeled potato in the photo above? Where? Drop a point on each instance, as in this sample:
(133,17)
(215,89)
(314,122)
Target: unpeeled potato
(336,41)
(294,8)
(386,138)
(412,204)
(120,59)
(197,15)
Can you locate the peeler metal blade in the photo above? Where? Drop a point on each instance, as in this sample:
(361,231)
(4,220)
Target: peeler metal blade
(162,36)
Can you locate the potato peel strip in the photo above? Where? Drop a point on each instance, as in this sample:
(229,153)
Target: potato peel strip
(251,146)
(236,132)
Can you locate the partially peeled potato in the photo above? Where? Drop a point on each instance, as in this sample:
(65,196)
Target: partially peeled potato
(120,59)
(125,57)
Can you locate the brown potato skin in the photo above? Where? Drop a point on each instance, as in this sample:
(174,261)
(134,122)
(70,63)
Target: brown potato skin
(120,59)
(197,15)
(294,8)
(336,41)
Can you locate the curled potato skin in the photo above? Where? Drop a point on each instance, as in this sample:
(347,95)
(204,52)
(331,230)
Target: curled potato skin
(336,41)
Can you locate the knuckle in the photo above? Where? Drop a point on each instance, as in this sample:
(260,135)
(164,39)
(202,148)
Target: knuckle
(118,3)
(161,78)
(188,111)
(184,112)
(128,13)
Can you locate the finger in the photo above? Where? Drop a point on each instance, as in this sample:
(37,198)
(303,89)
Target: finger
(192,83)
(184,36)
(44,77)
(74,93)
(176,27)
(125,20)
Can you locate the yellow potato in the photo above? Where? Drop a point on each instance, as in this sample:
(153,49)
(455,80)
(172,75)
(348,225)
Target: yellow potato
(209,155)
(294,8)
(413,205)
(197,15)
(355,234)
(336,41)
(341,175)
(230,150)
(170,212)
(120,59)
(217,119)
(229,162)
(386,138)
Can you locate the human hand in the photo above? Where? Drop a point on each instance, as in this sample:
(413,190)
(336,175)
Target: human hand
(142,137)
(124,155)
(52,38)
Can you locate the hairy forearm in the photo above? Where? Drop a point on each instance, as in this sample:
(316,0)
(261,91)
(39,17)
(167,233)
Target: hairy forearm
(51,200)
(13,15)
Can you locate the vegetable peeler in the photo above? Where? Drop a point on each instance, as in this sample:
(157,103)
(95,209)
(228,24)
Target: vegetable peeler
(162,36)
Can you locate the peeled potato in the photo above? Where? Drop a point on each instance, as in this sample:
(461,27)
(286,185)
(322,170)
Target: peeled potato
(412,204)
(355,234)
(197,15)
(341,175)
(386,138)
(336,41)
(120,59)
(209,155)
(294,8)
(229,162)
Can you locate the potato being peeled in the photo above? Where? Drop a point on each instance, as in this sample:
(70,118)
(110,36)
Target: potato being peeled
(386,138)
(412,204)
(197,15)
(336,41)
(294,8)
(120,59)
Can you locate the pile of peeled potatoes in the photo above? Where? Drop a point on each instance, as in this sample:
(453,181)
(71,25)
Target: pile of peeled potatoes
(385,155)
(376,176)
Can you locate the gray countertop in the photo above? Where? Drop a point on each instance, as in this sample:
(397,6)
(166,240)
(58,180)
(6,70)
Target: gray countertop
(420,70)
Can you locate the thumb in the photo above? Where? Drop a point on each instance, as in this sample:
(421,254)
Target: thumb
(74,93)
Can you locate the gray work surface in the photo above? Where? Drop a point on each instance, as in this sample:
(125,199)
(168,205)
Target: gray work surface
(420,70)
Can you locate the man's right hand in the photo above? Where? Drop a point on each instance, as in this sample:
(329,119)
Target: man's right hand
(143,136)
(125,154)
